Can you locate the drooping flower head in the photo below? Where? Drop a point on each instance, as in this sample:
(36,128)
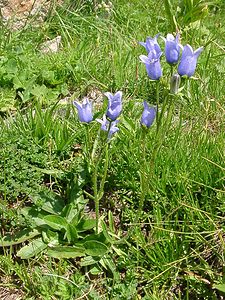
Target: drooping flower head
(114,105)
(188,61)
(172,48)
(152,61)
(84,110)
(148,115)
(105,126)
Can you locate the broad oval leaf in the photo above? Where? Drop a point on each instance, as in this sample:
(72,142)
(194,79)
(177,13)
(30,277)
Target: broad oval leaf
(86,224)
(55,222)
(95,248)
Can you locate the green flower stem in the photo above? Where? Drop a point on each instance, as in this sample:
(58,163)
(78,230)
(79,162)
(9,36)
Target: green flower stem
(157,102)
(87,145)
(143,186)
(106,164)
(165,126)
(99,191)
(143,173)
(188,89)
(96,199)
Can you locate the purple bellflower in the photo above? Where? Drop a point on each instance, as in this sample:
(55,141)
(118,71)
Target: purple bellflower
(152,64)
(188,61)
(152,61)
(114,105)
(172,48)
(151,45)
(148,115)
(84,110)
(108,126)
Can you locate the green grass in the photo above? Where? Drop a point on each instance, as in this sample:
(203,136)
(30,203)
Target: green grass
(163,210)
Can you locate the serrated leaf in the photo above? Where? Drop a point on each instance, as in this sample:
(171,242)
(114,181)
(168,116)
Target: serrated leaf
(20,237)
(66,252)
(95,248)
(32,249)
(55,222)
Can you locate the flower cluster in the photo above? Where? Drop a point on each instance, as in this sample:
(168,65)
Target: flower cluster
(109,120)
(174,53)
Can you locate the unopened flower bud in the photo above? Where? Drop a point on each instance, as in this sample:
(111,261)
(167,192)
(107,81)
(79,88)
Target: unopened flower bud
(174,83)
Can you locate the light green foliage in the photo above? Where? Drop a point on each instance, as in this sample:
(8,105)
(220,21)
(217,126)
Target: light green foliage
(160,233)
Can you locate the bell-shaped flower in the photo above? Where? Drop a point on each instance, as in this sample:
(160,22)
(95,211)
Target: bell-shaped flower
(152,64)
(151,45)
(188,60)
(148,115)
(84,110)
(108,126)
(172,48)
(114,105)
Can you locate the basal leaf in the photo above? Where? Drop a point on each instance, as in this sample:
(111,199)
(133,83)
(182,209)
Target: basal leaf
(55,222)
(71,233)
(32,249)
(86,224)
(88,261)
(105,232)
(52,203)
(66,252)
(20,237)
(95,248)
